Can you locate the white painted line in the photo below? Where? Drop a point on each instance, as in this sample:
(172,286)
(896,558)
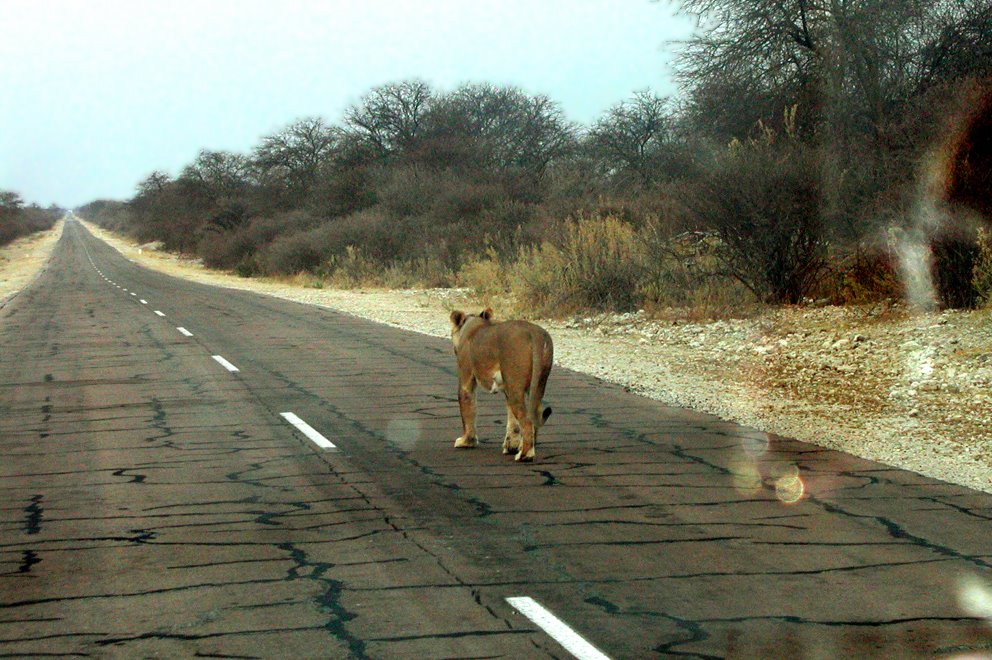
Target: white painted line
(227,365)
(159,313)
(133,294)
(185,332)
(557,629)
(308,431)
(144,302)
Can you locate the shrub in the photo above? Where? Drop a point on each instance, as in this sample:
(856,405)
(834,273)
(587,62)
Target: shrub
(236,249)
(292,254)
(599,265)
(248,267)
(486,275)
(763,201)
(867,274)
(982,274)
(17,221)
(684,273)
(356,269)
(428,271)
(458,200)
(409,191)
(379,238)
(955,257)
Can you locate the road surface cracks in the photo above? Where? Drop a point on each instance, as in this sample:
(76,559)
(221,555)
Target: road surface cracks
(161,506)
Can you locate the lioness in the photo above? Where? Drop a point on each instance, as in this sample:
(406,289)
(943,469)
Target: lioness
(513,356)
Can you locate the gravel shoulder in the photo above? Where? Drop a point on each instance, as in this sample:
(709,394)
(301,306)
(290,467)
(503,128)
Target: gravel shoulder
(908,389)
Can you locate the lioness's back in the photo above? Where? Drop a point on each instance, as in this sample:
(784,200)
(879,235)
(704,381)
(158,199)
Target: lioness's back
(514,357)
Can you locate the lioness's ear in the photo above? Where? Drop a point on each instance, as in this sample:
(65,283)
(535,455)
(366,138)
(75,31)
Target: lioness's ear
(457,318)
(487,313)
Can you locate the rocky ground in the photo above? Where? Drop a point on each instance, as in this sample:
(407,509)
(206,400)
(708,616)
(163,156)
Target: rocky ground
(905,388)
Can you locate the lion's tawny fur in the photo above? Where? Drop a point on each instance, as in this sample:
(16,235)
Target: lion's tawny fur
(512,356)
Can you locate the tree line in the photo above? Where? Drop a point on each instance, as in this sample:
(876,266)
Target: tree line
(789,164)
(18,219)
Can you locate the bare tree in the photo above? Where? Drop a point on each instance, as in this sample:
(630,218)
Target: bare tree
(762,199)
(218,173)
(635,138)
(390,118)
(500,129)
(960,43)
(10,202)
(849,63)
(295,154)
(153,183)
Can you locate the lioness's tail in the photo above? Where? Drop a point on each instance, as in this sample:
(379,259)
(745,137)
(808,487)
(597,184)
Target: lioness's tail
(542,357)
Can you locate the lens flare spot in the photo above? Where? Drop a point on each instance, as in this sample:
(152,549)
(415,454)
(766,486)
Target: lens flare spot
(746,478)
(789,488)
(975,597)
(403,433)
(755,447)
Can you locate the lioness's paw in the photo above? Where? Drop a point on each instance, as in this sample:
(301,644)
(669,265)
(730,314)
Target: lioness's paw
(511,443)
(466,443)
(524,458)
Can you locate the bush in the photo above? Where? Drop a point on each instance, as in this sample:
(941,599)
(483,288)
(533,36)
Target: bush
(356,269)
(955,258)
(248,267)
(684,272)
(409,191)
(868,274)
(17,221)
(288,255)
(763,201)
(236,249)
(982,276)
(486,275)
(599,265)
(459,200)
(372,231)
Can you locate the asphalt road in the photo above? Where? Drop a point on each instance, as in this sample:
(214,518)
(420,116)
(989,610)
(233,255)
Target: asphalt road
(154,503)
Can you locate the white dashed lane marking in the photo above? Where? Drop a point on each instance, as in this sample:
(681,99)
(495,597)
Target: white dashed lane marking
(185,332)
(144,302)
(556,628)
(308,431)
(159,313)
(224,363)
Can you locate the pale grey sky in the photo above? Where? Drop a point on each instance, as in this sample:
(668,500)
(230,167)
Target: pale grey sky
(96,94)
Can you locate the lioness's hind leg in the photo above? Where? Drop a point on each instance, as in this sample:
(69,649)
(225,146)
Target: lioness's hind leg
(466,405)
(511,441)
(526,452)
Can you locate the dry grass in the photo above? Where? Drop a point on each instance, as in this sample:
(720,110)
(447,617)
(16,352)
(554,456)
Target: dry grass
(598,264)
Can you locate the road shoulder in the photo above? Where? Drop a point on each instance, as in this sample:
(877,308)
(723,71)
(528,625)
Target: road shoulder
(23,260)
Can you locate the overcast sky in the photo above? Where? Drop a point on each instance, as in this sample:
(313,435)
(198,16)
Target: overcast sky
(96,94)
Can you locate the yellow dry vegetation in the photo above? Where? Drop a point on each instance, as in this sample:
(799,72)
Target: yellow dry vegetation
(22,260)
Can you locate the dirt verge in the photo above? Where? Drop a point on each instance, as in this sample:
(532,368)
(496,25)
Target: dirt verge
(22,260)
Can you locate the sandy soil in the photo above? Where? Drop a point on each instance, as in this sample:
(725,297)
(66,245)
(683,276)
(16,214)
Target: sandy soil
(22,260)
(906,389)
